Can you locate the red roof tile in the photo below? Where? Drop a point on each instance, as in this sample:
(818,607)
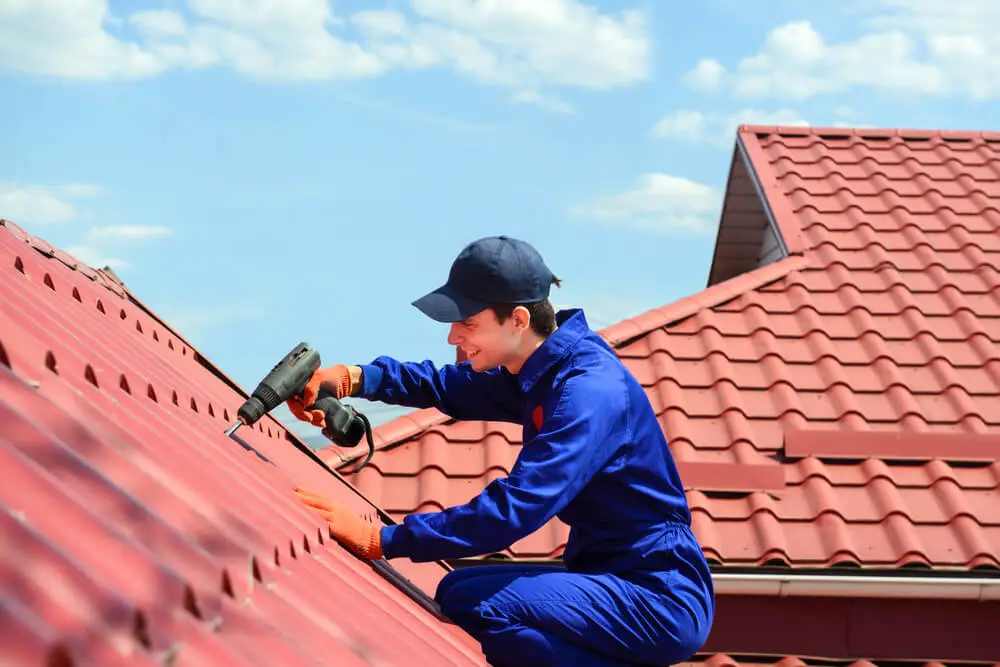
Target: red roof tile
(130,523)
(859,300)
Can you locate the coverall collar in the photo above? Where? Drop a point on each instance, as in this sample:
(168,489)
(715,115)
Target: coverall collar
(572,326)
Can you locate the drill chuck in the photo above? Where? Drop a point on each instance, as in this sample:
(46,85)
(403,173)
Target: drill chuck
(252,410)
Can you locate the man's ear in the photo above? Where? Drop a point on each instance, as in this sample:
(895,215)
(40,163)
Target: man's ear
(522,318)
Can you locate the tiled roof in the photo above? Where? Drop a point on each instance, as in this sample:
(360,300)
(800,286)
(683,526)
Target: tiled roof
(831,397)
(133,530)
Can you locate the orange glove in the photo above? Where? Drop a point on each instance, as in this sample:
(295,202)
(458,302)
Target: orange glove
(338,380)
(361,537)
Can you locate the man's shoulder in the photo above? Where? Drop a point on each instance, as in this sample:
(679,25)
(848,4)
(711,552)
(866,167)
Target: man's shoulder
(593,357)
(594,375)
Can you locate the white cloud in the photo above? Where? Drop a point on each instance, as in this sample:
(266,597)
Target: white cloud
(41,205)
(30,206)
(925,47)
(554,41)
(660,203)
(270,41)
(719,129)
(95,257)
(520,44)
(100,246)
(706,75)
(68,38)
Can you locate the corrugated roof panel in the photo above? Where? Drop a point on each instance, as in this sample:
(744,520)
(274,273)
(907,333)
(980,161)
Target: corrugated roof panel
(134,529)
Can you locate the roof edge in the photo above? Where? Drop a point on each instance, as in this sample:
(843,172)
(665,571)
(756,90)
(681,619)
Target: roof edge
(861,586)
(772,197)
(626,331)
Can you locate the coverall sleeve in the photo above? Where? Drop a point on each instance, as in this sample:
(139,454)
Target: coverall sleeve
(454,389)
(586,424)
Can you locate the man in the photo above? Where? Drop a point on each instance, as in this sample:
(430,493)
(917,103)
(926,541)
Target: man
(635,589)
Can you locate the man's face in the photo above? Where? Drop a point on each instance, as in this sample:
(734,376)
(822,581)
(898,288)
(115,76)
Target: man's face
(488,343)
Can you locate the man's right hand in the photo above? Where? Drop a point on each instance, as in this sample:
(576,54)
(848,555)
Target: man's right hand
(339,380)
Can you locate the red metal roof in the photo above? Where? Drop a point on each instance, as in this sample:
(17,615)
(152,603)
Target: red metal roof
(836,405)
(133,528)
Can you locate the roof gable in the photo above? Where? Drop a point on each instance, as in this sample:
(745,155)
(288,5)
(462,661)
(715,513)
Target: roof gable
(760,222)
(879,315)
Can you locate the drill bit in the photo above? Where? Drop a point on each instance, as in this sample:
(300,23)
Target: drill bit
(232,429)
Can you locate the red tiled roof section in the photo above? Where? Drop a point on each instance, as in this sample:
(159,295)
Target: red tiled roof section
(133,530)
(886,322)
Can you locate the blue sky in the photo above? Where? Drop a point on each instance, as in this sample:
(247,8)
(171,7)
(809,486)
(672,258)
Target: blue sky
(262,172)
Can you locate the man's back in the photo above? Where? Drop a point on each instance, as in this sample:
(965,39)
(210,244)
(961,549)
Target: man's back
(622,511)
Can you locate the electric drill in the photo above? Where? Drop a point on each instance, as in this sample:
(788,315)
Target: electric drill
(343,425)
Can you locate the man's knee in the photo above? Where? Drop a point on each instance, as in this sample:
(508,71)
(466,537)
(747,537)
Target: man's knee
(446,584)
(462,591)
(462,602)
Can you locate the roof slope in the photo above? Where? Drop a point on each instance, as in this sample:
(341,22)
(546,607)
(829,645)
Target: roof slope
(129,523)
(855,297)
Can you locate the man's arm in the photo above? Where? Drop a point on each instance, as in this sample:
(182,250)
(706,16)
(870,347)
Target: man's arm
(454,389)
(576,440)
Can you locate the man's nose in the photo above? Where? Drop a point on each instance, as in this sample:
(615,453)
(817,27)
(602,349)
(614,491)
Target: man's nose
(453,336)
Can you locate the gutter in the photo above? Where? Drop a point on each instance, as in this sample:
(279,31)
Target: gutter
(806,585)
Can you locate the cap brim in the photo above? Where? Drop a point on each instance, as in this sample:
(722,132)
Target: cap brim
(447,305)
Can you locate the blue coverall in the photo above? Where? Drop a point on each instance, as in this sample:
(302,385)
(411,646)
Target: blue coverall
(635,588)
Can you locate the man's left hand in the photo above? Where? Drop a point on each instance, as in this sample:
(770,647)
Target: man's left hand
(359,536)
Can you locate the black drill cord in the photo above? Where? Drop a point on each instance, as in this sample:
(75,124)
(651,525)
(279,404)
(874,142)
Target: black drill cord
(368,436)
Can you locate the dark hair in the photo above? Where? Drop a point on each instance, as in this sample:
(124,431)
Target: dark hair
(542,313)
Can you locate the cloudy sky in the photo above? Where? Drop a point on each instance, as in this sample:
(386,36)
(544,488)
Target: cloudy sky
(262,172)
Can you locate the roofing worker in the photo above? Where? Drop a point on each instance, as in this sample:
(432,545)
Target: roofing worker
(635,588)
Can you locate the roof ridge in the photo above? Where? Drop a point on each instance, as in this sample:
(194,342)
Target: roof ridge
(625,331)
(863,133)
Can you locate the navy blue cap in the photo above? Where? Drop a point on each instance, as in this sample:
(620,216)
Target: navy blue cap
(492,270)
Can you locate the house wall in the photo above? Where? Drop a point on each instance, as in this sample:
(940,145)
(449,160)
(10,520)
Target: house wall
(857,628)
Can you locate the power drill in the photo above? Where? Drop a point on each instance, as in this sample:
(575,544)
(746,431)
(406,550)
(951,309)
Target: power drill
(343,425)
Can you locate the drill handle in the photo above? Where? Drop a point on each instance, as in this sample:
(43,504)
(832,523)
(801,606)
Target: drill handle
(342,424)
